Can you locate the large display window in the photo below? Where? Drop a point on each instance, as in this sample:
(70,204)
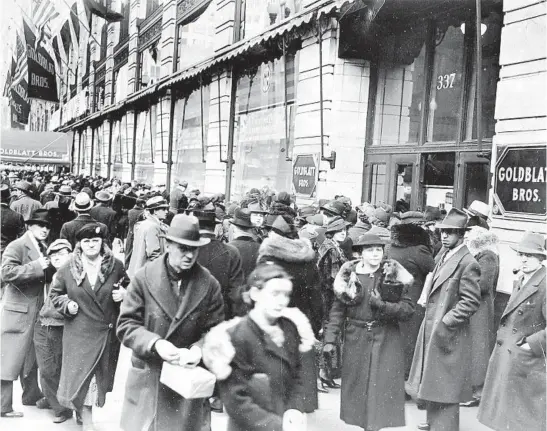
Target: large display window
(122,146)
(191,130)
(264,121)
(145,145)
(196,39)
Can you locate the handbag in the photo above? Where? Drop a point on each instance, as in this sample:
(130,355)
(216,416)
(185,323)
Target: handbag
(391,292)
(190,383)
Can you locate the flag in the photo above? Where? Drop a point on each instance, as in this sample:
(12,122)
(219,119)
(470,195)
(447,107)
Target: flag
(9,78)
(21,66)
(103,11)
(43,11)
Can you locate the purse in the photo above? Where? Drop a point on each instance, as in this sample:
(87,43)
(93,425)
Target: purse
(190,383)
(391,292)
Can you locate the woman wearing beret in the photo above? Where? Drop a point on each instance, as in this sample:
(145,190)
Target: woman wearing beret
(371,298)
(86,291)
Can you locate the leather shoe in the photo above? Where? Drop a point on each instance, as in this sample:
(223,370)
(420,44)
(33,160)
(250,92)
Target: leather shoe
(216,405)
(43,404)
(473,403)
(12,414)
(424,426)
(79,418)
(62,417)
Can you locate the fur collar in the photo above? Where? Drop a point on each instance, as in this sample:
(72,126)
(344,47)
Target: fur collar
(218,350)
(349,289)
(77,268)
(408,235)
(479,239)
(286,249)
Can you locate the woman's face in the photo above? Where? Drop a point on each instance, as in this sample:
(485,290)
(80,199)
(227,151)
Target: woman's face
(340,236)
(257,219)
(91,247)
(372,255)
(273,298)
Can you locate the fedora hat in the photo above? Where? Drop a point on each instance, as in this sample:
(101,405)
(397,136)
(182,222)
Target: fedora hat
(41,216)
(82,202)
(334,207)
(478,208)
(65,191)
(242,218)
(5,193)
(455,219)
(103,196)
(337,225)
(184,230)
(156,202)
(23,185)
(531,243)
(369,239)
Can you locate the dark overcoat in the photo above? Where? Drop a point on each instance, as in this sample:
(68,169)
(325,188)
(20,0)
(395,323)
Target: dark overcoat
(248,250)
(107,216)
(297,257)
(410,246)
(90,346)
(442,359)
(372,395)
(71,228)
(23,281)
(149,312)
(514,394)
(12,226)
(266,380)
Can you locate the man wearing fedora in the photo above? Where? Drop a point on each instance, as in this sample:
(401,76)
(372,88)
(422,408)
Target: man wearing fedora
(25,271)
(148,243)
(514,395)
(64,192)
(13,225)
(82,204)
(244,240)
(23,203)
(102,212)
(438,374)
(171,303)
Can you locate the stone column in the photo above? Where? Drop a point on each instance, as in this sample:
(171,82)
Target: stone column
(133,47)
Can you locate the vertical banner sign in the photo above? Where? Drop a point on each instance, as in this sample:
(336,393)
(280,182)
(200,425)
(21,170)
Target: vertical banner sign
(305,174)
(42,83)
(20,106)
(520,180)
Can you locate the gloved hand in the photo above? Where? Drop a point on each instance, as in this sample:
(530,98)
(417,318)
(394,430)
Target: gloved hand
(329,348)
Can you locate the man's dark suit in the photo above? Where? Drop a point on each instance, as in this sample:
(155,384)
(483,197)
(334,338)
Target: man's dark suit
(106,216)
(69,230)
(13,226)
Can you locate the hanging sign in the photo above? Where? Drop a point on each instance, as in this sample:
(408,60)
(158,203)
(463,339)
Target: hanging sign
(305,173)
(520,180)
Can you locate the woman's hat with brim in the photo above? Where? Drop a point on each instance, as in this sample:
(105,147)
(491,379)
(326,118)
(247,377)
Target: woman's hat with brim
(242,218)
(82,202)
(337,225)
(39,216)
(369,239)
(531,243)
(455,219)
(184,230)
(334,207)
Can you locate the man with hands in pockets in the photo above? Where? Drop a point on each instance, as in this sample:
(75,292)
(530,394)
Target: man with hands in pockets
(171,303)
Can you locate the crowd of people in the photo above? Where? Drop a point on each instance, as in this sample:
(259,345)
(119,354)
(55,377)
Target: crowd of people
(278,302)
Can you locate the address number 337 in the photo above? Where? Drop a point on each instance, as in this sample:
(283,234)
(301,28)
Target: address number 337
(445,81)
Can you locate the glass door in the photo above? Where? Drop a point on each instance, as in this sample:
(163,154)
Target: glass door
(437,180)
(473,180)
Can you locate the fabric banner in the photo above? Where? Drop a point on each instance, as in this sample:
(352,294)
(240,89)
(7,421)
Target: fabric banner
(42,81)
(19,102)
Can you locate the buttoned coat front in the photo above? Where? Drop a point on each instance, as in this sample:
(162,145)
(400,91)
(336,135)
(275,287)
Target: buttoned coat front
(151,311)
(440,367)
(514,393)
(23,282)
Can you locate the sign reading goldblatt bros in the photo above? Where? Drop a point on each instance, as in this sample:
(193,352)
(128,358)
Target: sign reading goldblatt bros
(305,173)
(520,180)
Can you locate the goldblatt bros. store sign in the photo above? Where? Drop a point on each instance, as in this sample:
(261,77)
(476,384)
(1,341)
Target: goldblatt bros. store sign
(520,180)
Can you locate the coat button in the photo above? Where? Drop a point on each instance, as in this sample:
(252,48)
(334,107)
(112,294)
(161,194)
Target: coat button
(111,326)
(514,330)
(499,342)
(520,312)
(503,324)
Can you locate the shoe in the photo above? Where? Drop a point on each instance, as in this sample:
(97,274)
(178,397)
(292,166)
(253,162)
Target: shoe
(329,383)
(32,402)
(321,388)
(43,404)
(216,405)
(63,417)
(473,403)
(79,418)
(11,414)
(424,426)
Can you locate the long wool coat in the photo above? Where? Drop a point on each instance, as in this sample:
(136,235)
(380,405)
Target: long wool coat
(23,282)
(514,393)
(147,243)
(410,246)
(372,395)
(151,311)
(440,368)
(90,346)
(297,257)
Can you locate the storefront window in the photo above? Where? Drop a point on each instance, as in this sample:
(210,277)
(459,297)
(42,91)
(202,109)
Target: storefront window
(120,84)
(476,176)
(195,40)
(85,158)
(439,169)
(446,86)
(403,187)
(399,103)
(121,149)
(98,151)
(188,155)
(377,183)
(258,15)
(145,145)
(259,135)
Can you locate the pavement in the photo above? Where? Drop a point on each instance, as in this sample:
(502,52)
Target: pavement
(326,418)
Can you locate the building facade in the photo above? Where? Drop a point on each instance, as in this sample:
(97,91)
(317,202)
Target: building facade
(373,99)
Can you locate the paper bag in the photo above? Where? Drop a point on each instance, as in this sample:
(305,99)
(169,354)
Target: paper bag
(188,382)
(426,289)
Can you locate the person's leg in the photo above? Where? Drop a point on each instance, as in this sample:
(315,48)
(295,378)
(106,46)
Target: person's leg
(87,418)
(31,390)
(6,395)
(443,417)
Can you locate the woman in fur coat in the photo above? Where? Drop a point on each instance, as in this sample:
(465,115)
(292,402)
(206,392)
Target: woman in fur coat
(85,290)
(297,257)
(371,298)
(257,358)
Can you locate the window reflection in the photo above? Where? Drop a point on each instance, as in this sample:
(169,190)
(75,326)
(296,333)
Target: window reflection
(195,40)
(438,182)
(377,183)
(403,187)
(258,15)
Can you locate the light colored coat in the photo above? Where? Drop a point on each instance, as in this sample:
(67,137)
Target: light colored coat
(147,243)
(514,393)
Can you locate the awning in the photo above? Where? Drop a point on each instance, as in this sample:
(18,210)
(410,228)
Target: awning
(17,146)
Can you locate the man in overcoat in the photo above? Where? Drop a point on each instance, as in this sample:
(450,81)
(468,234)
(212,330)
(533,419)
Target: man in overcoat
(82,204)
(442,357)
(103,212)
(24,204)
(514,395)
(25,271)
(170,305)
(244,240)
(13,225)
